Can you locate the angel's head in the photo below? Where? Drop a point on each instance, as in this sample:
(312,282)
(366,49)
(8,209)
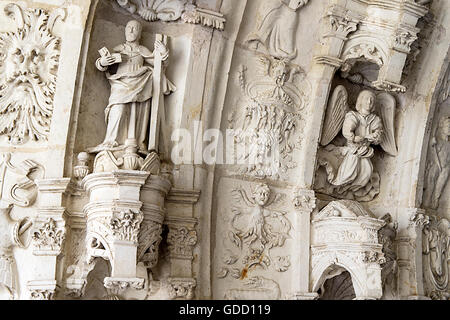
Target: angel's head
(261,194)
(365,104)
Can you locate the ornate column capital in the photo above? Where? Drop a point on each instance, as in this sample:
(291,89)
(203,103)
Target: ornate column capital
(181,288)
(304,200)
(418,218)
(182,237)
(48,236)
(341,22)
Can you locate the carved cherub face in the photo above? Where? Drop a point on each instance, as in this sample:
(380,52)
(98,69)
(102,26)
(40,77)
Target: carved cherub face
(366,102)
(261,194)
(28,66)
(133,31)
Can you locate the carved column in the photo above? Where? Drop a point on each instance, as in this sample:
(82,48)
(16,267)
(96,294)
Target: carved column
(304,203)
(114,217)
(410,255)
(48,236)
(181,240)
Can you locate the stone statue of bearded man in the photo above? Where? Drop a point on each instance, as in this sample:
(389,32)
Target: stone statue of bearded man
(128,112)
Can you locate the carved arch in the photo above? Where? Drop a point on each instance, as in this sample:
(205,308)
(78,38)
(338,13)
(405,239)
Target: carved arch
(325,265)
(365,47)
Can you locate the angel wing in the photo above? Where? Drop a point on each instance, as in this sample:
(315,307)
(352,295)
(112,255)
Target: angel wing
(335,115)
(241,197)
(386,109)
(275,198)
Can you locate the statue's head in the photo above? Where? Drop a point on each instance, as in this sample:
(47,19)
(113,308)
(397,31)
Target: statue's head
(366,102)
(133,31)
(261,194)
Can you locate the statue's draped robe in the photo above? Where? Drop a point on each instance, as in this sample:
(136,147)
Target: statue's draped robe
(131,84)
(277,32)
(356,169)
(349,169)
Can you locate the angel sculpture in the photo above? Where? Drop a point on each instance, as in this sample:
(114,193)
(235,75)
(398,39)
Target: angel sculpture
(349,169)
(261,227)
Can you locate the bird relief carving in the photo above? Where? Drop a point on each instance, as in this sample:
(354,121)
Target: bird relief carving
(267,123)
(255,230)
(349,172)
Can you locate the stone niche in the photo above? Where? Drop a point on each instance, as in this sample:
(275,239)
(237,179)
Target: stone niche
(345,240)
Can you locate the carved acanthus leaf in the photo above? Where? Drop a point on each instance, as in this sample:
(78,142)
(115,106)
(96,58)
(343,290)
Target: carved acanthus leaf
(49,237)
(29,59)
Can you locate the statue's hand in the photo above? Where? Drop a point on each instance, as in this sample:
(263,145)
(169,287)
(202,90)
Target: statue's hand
(358,139)
(161,48)
(107,61)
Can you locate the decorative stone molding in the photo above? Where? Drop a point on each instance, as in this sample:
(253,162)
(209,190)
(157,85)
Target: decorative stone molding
(205,17)
(341,22)
(119,284)
(42,289)
(39,294)
(125,225)
(181,288)
(48,238)
(16,184)
(183,196)
(28,64)
(403,40)
(256,287)
(304,200)
(181,240)
(268,127)
(172,11)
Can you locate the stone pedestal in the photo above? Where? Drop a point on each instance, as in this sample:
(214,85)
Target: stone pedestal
(114,216)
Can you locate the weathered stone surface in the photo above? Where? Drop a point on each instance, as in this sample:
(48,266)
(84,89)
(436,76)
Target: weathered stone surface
(232,149)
